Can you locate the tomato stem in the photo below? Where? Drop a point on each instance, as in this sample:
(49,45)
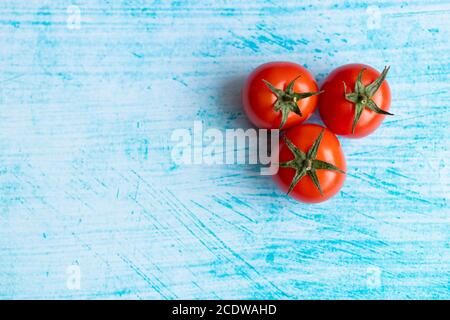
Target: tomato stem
(287,99)
(307,164)
(362,96)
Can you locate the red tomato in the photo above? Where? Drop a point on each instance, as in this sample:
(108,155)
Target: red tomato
(312,155)
(354,108)
(279,88)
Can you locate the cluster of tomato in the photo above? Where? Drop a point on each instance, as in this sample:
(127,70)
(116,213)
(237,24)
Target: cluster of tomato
(352,101)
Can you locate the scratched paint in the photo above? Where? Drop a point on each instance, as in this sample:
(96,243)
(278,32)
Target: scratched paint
(86,177)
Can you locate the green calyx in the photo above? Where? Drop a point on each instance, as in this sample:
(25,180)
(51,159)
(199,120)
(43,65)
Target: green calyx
(287,99)
(362,96)
(306,163)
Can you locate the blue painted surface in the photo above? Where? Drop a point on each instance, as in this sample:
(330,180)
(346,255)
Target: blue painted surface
(86,177)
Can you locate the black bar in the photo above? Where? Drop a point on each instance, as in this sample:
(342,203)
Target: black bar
(222,309)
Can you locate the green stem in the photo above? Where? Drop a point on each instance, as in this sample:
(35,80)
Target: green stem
(287,99)
(306,163)
(362,96)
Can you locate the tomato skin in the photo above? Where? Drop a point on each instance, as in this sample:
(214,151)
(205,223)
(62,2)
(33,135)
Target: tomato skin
(259,101)
(303,136)
(337,113)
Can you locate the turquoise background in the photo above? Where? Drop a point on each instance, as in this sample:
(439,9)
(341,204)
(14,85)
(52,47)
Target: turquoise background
(87,179)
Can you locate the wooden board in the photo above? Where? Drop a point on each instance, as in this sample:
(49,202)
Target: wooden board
(88,186)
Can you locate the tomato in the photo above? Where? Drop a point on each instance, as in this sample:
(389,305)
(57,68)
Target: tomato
(355,101)
(312,163)
(279,95)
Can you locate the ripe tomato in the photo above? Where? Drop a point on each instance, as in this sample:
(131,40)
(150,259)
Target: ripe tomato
(312,163)
(355,100)
(279,95)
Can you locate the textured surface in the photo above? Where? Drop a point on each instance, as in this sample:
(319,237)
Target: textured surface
(86,177)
